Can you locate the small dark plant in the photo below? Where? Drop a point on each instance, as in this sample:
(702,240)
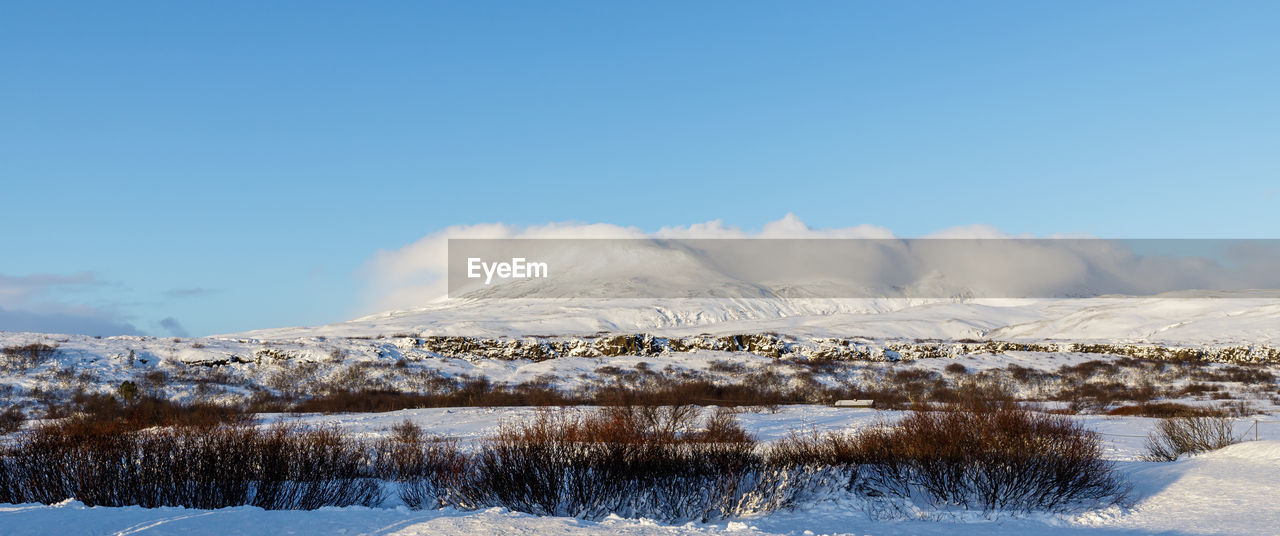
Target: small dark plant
(11,420)
(1176,436)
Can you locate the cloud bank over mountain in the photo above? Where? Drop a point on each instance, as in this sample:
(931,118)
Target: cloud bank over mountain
(860,262)
(414,275)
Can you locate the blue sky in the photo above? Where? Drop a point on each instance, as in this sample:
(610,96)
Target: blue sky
(174,167)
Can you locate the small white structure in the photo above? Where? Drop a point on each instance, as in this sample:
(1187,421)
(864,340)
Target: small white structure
(855,403)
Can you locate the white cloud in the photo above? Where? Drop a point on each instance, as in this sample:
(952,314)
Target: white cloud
(35,303)
(414,275)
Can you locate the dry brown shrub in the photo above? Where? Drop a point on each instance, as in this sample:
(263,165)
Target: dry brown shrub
(1176,436)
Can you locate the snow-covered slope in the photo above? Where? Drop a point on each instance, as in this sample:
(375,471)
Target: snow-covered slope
(1184,319)
(876,289)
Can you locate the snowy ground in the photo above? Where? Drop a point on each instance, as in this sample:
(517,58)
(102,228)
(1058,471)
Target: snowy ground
(1230,491)
(75,369)
(225,368)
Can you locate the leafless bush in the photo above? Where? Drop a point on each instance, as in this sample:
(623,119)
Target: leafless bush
(1089,369)
(309,469)
(1238,408)
(478,392)
(430,381)
(356,377)
(727,367)
(1176,436)
(292,379)
(1197,389)
(989,459)
(721,427)
(1165,410)
(606,462)
(811,448)
(1093,397)
(631,389)
(664,422)
(1235,373)
(611,370)
(979,392)
(1006,458)
(24,356)
(1026,376)
(614,462)
(102,411)
(756,391)
(427,469)
(631,461)
(279,468)
(154,381)
(805,464)
(11,420)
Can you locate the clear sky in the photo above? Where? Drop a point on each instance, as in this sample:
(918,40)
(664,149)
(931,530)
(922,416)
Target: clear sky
(171,167)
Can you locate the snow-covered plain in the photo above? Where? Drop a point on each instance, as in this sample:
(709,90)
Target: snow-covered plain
(1231,491)
(1197,321)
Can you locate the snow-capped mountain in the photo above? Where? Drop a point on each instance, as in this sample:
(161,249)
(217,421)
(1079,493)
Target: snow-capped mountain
(1186,318)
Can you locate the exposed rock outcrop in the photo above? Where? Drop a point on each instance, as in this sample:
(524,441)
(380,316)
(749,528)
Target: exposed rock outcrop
(783,347)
